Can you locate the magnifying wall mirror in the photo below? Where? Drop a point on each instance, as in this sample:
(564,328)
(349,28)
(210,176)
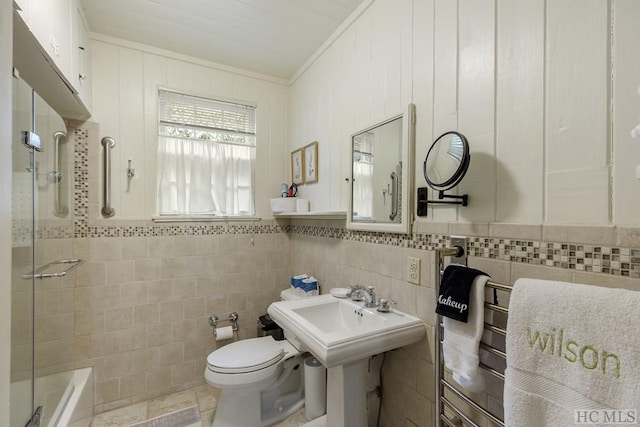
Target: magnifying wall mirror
(381,162)
(444,167)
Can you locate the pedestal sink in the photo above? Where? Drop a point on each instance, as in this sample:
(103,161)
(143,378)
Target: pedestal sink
(342,335)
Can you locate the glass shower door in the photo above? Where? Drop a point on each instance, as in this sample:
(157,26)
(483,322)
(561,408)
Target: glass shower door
(42,325)
(22,245)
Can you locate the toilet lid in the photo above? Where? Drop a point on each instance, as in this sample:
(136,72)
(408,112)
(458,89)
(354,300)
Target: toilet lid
(245,356)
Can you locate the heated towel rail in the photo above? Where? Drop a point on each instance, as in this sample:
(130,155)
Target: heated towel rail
(454,407)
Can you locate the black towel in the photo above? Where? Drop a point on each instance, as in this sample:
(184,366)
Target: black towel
(455,287)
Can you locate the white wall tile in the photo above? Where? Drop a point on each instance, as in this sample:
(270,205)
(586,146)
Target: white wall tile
(578,197)
(476,105)
(131,143)
(577,85)
(626,107)
(519,111)
(445,86)
(423,87)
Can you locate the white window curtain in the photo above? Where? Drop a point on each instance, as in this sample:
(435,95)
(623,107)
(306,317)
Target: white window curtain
(363,176)
(362,190)
(206,157)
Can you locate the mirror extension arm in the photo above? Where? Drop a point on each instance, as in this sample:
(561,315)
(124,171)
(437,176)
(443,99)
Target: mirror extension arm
(423,201)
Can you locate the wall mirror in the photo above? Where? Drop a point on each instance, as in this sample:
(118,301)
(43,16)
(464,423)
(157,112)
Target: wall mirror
(381,172)
(444,167)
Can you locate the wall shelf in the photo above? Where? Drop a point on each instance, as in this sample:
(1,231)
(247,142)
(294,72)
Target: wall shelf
(312,215)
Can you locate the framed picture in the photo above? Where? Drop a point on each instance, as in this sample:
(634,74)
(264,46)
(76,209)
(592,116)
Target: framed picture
(297,166)
(311,163)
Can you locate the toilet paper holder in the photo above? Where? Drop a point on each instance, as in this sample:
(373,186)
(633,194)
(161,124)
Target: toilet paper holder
(232,317)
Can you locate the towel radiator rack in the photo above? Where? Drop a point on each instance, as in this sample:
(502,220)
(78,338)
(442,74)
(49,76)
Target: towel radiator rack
(446,393)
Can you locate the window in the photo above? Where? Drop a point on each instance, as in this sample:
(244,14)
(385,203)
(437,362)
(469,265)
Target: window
(206,156)
(363,176)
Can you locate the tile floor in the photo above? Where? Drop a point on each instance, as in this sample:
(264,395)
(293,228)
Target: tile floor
(205,397)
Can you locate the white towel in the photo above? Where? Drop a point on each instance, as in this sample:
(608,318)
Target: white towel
(461,342)
(571,348)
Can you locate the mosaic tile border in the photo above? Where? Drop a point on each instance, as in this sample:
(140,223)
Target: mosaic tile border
(616,261)
(590,258)
(83,229)
(81,183)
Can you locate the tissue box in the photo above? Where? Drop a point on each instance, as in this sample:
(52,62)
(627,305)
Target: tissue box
(309,285)
(296,281)
(304,285)
(283,204)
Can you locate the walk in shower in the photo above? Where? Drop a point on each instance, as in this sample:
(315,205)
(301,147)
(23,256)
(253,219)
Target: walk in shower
(42,324)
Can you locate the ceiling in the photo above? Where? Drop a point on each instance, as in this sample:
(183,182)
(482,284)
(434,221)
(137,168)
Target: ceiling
(273,37)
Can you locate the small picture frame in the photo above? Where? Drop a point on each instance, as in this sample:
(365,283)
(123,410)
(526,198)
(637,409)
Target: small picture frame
(297,166)
(310,159)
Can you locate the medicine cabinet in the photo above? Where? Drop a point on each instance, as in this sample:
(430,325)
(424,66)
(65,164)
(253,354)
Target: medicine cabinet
(381,174)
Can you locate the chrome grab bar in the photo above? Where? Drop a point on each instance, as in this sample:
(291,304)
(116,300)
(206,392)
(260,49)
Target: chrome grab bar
(55,176)
(394,196)
(38,274)
(107,210)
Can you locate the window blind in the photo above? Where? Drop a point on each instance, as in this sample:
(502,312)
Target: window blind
(206,156)
(194,117)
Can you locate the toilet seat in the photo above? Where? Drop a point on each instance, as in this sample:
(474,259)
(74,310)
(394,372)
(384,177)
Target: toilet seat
(246,356)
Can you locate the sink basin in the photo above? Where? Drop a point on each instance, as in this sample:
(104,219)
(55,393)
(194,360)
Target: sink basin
(338,331)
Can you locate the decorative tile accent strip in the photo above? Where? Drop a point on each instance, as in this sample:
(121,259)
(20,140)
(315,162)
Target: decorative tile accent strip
(81,183)
(591,258)
(50,232)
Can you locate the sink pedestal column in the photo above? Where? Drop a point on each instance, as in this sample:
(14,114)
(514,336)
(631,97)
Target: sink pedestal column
(346,395)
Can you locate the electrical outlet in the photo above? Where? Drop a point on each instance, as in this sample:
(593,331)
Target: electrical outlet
(413,270)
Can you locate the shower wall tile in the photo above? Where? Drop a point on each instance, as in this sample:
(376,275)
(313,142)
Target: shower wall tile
(135,248)
(146,270)
(539,272)
(603,235)
(119,271)
(145,305)
(628,237)
(516,231)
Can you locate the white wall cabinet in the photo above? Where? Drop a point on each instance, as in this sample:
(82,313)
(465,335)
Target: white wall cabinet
(81,57)
(62,37)
(50,22)
(24,9)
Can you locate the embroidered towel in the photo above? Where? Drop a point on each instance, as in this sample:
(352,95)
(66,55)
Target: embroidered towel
(571,348)
(460,346)
(455,287)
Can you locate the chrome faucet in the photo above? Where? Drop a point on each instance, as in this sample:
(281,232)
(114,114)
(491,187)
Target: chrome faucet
(360,293)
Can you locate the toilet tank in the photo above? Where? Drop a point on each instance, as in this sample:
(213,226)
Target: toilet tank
(290,294)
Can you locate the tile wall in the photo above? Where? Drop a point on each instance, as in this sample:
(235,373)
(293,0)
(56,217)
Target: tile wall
(143,297)
(339,257)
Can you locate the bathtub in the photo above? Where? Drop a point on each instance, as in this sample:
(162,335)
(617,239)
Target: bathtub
(72,392)
(77,409)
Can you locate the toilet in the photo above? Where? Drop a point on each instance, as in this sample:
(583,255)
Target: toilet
(260,380)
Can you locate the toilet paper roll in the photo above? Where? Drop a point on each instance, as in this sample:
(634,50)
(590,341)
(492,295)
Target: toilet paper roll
(315,388)
(302,205)
(224,333)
